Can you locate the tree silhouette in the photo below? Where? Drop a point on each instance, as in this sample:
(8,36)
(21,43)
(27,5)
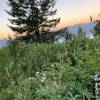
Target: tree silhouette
(96,30)
(33,18)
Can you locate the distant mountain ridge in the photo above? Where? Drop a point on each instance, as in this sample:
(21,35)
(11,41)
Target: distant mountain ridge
(87,28)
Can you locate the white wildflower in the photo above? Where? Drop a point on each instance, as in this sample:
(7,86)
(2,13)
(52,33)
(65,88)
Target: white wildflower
(37,73)
(43,79)
(31,78)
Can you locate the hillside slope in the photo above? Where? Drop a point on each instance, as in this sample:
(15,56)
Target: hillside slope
(87,28)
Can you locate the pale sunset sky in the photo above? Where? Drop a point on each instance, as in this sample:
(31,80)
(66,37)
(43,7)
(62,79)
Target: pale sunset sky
(70,11)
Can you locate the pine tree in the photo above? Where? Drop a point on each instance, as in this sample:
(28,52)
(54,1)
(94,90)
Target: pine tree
(81,39)
(80,32)
(96,30)
(34,18)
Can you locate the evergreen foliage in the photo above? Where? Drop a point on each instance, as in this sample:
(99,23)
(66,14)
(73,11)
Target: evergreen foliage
(96,30)
(33,18)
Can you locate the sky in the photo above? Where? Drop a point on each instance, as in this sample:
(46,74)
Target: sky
(70,11)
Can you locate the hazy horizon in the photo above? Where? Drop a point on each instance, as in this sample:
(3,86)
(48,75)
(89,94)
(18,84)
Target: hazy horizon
(71,12)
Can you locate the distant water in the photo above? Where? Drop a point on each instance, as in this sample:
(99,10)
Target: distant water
(3,43)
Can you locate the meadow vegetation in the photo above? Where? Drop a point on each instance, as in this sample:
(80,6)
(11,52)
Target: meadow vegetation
(35,66)
(50,71)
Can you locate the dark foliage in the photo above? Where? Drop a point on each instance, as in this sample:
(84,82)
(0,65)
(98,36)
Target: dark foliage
(33,18)
(97,28)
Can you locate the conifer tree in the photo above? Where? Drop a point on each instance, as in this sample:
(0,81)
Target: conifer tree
(34,18)
(80,32)
(96,30)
